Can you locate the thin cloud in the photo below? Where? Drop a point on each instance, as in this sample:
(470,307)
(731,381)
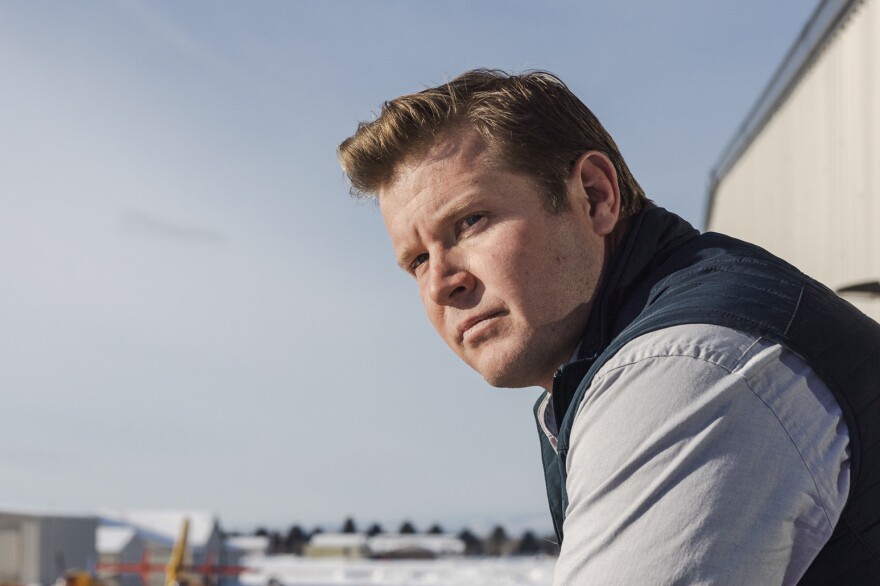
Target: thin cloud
(162,24)
(143,224)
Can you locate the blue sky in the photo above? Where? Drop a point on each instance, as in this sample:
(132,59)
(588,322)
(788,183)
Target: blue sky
(194,314)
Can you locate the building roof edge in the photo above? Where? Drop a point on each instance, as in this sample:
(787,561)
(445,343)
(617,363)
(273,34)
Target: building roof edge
(826,19)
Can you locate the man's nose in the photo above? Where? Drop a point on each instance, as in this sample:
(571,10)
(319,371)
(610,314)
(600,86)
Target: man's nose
(448,281)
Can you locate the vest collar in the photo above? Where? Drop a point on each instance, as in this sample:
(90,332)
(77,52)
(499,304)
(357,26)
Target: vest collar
(653,236)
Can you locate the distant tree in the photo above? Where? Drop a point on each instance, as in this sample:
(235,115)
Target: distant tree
(496,543)
(435,529)
(262,532)
(349,526)
(276,543)
(295,540)
(375,529)
(528,545)
(407,528)
(472,544)
(316,531)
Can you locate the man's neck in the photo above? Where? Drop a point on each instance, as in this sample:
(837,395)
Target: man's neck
(612,241)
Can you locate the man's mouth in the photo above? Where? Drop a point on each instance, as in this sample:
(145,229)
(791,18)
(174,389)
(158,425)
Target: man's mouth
(472,324)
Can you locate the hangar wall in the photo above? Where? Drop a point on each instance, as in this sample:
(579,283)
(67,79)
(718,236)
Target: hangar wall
(806,186)
(35,547)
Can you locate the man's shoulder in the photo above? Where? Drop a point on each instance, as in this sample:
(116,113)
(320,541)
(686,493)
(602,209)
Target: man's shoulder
(657,373)
(722,346)
(673,445)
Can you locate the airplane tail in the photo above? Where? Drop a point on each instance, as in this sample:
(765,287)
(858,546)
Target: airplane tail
(175,564)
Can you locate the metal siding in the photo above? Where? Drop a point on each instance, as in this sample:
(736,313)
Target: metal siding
(10,551)
(66,543)
(30,532)
(34,549)
(808,186)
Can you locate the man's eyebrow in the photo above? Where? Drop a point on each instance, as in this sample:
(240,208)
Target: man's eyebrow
(402,258)
(446,212)
(456,207)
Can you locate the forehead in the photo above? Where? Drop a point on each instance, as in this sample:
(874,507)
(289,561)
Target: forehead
(454,161)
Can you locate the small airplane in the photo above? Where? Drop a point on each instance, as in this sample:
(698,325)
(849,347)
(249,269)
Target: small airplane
(176,572)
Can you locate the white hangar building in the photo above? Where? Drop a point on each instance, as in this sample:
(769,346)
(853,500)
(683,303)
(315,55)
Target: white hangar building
(37,546)
(801,177)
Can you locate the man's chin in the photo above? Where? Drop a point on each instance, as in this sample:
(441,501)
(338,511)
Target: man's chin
(506,377)
(512,369)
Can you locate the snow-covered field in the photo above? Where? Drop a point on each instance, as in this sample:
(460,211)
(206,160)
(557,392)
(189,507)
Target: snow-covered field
(297,571)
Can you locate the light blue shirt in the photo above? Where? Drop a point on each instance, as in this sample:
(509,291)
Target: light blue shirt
(701,455)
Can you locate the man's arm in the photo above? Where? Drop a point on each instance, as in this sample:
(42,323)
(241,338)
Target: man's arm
(702,456)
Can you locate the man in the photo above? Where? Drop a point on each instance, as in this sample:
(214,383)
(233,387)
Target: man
(711,414)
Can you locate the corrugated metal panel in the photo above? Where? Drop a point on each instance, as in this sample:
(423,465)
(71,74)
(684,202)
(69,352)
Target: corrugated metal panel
(19,549)
(35,549)
(10,553)
(66,543)
(808,186)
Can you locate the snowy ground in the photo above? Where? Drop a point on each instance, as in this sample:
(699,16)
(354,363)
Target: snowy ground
(297,571)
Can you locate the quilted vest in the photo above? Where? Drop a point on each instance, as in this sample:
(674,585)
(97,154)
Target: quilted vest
(664,273)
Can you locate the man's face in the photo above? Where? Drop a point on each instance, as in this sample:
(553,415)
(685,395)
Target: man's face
(505,283)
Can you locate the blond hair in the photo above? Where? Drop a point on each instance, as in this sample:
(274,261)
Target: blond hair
(531,123)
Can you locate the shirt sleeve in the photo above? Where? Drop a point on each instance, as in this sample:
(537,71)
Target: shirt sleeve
(710,461)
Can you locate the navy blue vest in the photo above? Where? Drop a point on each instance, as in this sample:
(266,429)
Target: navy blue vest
(664,273)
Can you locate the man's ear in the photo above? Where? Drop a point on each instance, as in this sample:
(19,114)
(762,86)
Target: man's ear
(593,186)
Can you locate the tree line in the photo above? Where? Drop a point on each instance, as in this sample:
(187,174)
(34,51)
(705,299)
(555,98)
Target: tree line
(498,542)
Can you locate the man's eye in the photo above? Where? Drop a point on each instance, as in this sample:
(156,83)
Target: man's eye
(418,261)
(471,220)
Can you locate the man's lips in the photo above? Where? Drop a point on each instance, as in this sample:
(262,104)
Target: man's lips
(469,323)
